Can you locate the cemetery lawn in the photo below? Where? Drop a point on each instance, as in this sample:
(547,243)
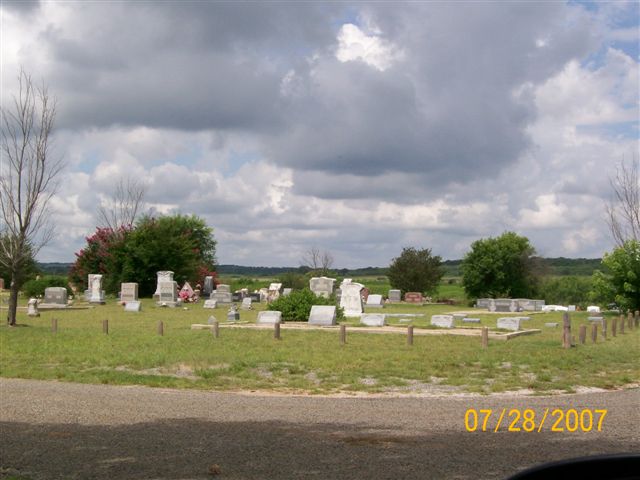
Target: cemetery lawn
(307,361)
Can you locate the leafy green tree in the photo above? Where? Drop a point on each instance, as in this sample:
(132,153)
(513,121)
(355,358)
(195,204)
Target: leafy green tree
(416,271)
(570,290)
(297,305)
(504,266)
(181,243)
(622,282)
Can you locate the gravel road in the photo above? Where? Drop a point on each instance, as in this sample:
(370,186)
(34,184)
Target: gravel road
(52,430)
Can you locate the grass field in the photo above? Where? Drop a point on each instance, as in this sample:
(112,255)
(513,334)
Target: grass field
(305,361)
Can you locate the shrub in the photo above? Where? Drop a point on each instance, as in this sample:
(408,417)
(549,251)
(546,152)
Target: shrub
(566,290)
(297,305)
(35,288)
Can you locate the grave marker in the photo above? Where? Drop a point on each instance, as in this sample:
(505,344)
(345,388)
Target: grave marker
(443,321)
(509,323)
(322,315)
(269,317)
(372,319)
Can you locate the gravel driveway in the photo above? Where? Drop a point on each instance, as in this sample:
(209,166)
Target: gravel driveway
(52,430)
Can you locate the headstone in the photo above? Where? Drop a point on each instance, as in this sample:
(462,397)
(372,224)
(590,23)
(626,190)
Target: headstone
(273,291)
(322,286)
(255,297)
(286,292)
(163,276)
(551,324)
(186,292)
(372,319)
(395,296)
(593,309)
(32,308)
(210,304)
(222,295)
(413,297)
(351,300)
(269,317)
(128,292)
(483,302)
(132,306)
(211,320)
(572,308)
(529,305)
(55,297)
(168,294)
(246,304)
(95,285)
(208,285)
(505,305)
(470,320)
(509,323)
(595,319)
(322,315)
(233,314)
(524,319)
(444,321)
(264,294)
(375,301)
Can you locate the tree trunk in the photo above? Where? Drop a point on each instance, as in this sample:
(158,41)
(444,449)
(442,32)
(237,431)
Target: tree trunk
(13,302)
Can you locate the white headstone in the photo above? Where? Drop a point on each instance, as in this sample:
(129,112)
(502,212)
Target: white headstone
(351,300)
(286,292)
(32,308)
(132,306)
(572,308)
(163,276)
(372,319)
(593,309)
(509,323)
(322,315)
(444,321)
(210,304)
(375,301)
(246,303)
(269,316)
(168,291)
(322,286)
(95,285)
(128,292)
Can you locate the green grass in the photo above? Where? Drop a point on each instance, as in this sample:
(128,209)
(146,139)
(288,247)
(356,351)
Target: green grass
(309,361)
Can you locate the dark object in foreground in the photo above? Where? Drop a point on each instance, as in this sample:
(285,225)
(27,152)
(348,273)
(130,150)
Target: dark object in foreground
(600,467)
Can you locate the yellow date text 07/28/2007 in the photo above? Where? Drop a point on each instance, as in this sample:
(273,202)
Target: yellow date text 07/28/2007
(528,420)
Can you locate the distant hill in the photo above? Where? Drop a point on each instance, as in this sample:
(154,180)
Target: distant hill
(560,266)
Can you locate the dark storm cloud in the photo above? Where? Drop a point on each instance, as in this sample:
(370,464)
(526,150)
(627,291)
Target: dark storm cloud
(189,66)
(454,109)
(21,6)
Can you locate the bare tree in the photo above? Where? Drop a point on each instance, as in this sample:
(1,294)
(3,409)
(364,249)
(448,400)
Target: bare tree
(319,261)
(125,204)
(623,211)
(27,181)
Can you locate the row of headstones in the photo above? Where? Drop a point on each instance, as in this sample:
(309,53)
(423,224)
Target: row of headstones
(325,287)
(510,304)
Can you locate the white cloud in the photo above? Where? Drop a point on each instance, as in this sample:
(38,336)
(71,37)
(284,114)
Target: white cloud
(354,44)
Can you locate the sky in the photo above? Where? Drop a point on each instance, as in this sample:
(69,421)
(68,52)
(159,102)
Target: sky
(355,128)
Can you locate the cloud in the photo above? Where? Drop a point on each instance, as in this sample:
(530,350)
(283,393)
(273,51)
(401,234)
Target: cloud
(360,128)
